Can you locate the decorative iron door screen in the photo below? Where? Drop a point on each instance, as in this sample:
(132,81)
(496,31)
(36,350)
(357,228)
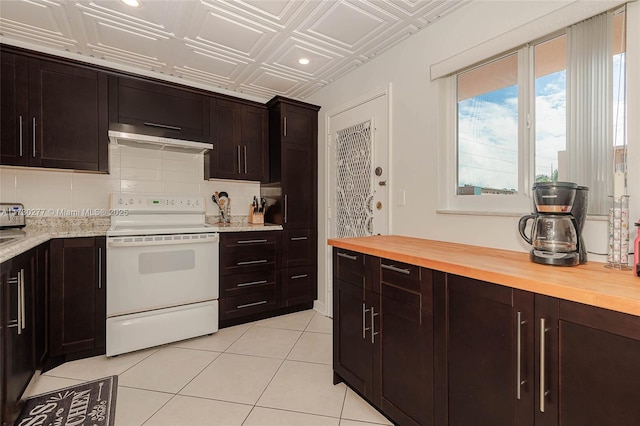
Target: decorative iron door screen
(354,183)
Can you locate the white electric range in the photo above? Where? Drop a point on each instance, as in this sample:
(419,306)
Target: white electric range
(162,271)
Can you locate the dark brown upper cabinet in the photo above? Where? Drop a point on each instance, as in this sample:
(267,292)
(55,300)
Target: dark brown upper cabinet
(158,109)
(53,114)
(240,141)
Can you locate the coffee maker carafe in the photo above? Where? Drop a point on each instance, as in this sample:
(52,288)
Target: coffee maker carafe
(556,233)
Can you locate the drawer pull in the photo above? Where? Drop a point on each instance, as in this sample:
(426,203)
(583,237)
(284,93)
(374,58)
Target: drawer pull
(251,241)
(252,283)
(252,262)
(164,126)
(395,269)
(248,305)
(299,238)
(295,277)
(346,256)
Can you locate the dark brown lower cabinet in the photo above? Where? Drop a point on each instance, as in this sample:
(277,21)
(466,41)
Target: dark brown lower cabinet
(599,364)
(383,335)
(77,297)
(509,357)
(17,279)
(488,380)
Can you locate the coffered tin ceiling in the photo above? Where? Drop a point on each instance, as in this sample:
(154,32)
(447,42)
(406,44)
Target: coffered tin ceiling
(244,46)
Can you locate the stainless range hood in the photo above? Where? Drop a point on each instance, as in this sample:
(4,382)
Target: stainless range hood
(124,134)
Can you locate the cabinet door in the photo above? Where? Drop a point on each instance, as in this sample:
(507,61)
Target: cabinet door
(352,348)
(68,116)
(41,305)
(254,144)
(299,248)
(406,344)
(487,376)
(298,285)
(19,328)
(599,353)
(298,186)
(14,114)
(78,295)
(161,109)
(299,125)
(224,162)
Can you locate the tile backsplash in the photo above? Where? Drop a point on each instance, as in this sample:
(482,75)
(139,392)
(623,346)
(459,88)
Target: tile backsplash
(131,170)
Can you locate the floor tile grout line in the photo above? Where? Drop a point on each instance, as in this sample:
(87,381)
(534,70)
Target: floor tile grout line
(297,412)
(211,362)
(276,372)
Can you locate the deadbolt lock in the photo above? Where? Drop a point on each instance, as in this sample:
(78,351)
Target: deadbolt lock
(379,205)
(378,171)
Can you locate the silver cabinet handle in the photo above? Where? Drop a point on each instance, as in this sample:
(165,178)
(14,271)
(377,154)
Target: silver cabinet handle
(299,238)
(251,283)
(239,171)
(245,159)
(519,381)
(396,269)
(19,286)
(22,301)
(163,126)
(248,305)
(285,127)
(34,138)
(252,262)
(364,321)
(543,392)
(251,241)
(20,131)
(99,267)
(373,326)
(347,256)
(297,277)
(285,208)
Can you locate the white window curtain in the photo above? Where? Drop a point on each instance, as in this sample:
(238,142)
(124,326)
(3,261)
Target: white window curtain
(589,108)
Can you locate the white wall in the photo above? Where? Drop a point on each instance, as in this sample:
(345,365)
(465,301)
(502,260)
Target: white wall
(131,170)
(415,113)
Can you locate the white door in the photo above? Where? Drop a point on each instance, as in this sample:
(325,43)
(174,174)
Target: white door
(358,175)
(359,170)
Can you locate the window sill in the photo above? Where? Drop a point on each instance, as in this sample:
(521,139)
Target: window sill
(503,214)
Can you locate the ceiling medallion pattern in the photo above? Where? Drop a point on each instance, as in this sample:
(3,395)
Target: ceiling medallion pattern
(243,46)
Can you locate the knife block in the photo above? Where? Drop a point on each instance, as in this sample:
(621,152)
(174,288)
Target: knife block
(255,217)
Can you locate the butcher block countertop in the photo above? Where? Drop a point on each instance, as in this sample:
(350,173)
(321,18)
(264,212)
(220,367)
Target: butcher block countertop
(591,284)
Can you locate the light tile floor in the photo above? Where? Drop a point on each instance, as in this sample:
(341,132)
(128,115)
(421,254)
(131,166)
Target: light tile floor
(271,372)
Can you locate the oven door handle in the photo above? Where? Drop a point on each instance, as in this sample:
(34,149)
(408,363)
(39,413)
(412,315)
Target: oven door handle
(120,244)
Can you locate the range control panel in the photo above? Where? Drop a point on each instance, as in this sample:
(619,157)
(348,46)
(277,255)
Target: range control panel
(157,203)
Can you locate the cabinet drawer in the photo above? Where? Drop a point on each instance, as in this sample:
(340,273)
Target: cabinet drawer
(405,283)
(298,285)
(233,307)
(299,248)
(240,262)
(348,266)
(253,282)
(246,240)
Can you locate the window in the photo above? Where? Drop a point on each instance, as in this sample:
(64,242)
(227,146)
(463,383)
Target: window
(514,122)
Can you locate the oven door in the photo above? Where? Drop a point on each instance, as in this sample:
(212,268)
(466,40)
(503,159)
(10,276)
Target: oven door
(160,271)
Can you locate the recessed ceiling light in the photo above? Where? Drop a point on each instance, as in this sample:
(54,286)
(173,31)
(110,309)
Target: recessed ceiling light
(132,3)
(303,61)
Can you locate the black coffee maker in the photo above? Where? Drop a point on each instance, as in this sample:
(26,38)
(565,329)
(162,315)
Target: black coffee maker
(558,221)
